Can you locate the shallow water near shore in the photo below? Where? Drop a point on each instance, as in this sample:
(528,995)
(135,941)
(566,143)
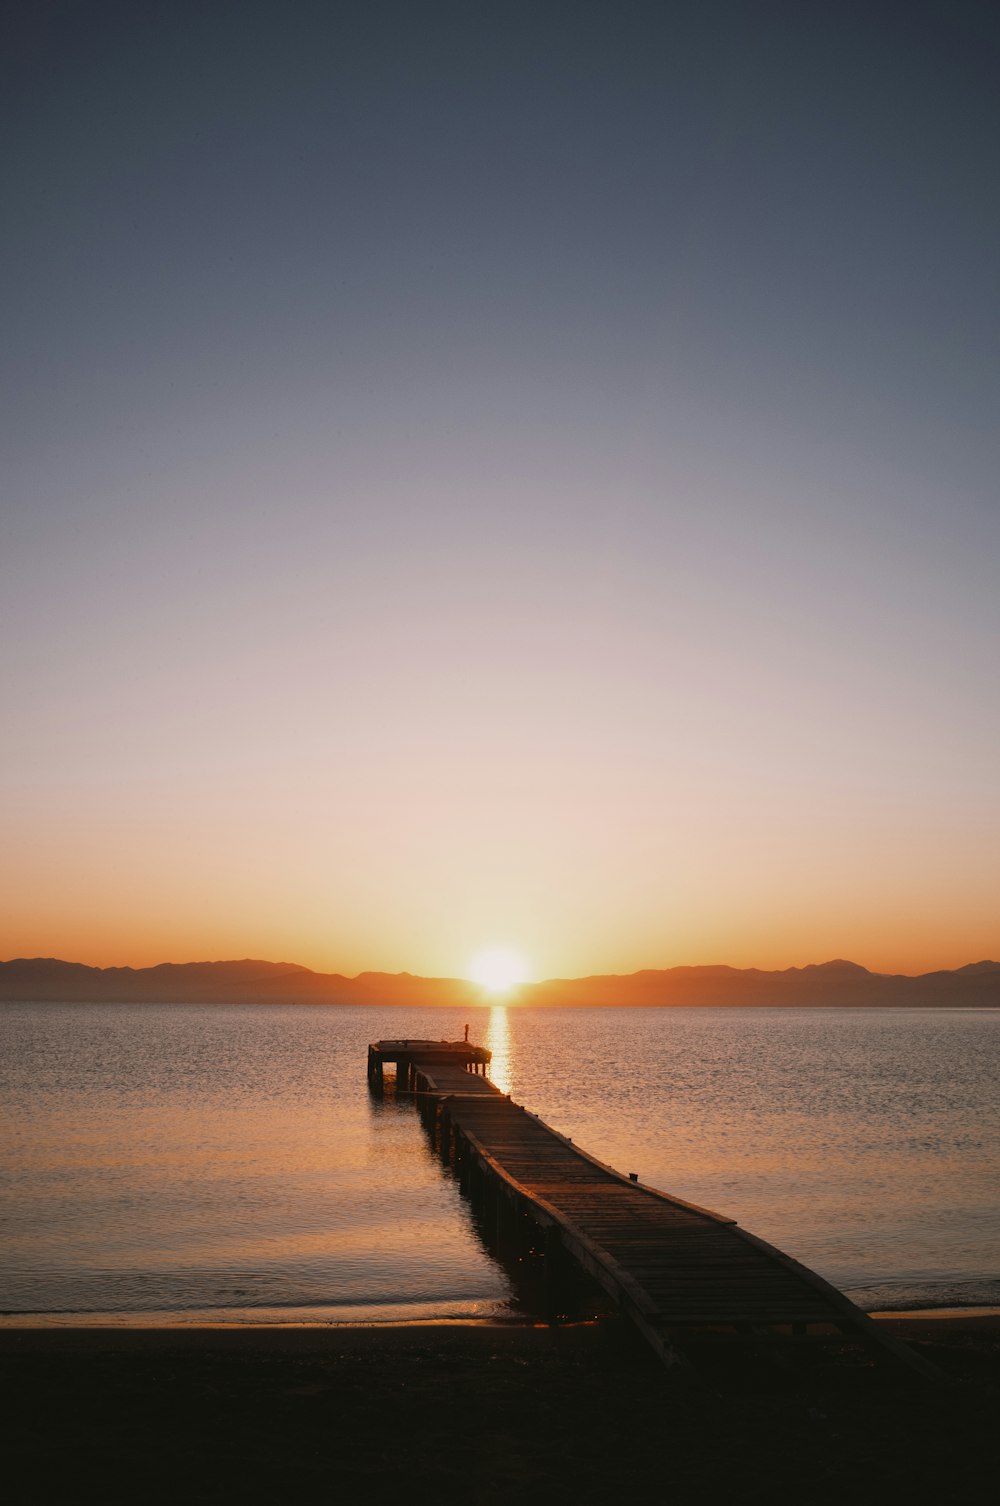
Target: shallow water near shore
(227,1164)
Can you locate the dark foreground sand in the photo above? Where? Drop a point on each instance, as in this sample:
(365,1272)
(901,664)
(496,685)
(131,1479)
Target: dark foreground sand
(489,1414)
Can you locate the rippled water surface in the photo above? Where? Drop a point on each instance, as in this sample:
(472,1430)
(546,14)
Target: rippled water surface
(227,1162)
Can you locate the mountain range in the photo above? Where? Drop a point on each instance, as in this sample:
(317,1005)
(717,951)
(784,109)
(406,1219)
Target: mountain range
(829,983)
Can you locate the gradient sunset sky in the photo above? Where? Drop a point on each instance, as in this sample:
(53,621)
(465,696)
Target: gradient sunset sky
(514,474)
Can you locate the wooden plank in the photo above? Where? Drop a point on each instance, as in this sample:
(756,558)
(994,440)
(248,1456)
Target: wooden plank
(664,1261)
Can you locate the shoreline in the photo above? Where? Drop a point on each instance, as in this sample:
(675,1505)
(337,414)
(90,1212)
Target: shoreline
(929,1329)
(482,1412)
(108,1323)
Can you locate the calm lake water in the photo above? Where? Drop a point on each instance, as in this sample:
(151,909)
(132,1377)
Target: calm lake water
(185,1163)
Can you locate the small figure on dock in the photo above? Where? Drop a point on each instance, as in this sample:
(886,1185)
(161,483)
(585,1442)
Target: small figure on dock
(466,1032)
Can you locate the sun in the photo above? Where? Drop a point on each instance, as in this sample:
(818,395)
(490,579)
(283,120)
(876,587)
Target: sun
(498,969)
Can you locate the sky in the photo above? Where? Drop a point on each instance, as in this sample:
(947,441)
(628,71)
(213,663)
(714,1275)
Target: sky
(508,475)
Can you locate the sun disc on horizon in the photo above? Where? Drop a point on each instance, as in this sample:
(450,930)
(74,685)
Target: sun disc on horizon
(498,969)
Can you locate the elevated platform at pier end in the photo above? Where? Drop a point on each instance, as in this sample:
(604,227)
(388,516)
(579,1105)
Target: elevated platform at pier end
(673,1268)
(461,1056)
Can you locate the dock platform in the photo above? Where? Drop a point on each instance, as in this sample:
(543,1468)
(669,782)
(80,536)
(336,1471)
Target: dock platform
(462,1056)
(672,1267)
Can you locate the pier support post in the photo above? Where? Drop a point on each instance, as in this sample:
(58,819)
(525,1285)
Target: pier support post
(555,1274)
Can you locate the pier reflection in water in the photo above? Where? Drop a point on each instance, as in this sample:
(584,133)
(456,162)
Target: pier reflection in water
(672,1268)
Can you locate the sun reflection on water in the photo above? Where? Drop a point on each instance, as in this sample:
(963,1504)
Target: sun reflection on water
(498,1041)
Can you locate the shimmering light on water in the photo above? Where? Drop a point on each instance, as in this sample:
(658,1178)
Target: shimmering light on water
(497,1038)
(184,1160)
(173,1158)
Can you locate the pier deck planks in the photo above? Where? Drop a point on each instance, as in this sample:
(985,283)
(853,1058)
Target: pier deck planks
(670,1265)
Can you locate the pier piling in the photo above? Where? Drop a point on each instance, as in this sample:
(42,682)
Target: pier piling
(673,1268)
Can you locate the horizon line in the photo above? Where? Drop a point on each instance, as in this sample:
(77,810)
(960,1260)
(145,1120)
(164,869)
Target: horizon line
(513,989)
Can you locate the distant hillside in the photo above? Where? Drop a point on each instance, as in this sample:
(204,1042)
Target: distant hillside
(829,983)
(249,981)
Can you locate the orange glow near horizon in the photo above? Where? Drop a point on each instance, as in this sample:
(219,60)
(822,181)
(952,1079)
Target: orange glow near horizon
(498,969)
(99,897)
(124,914)
(631,830)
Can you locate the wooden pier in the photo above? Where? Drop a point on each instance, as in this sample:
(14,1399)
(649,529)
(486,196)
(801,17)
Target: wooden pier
(461,1055)
(673,1268)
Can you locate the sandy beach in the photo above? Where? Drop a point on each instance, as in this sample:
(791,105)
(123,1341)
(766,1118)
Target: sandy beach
(481,1413)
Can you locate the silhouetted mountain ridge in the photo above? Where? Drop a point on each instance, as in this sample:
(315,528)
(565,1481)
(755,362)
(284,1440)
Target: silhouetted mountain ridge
(836,983)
